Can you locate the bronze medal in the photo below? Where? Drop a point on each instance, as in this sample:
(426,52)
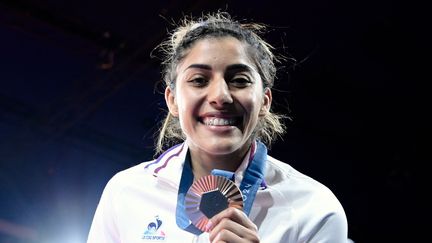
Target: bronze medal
(209,196)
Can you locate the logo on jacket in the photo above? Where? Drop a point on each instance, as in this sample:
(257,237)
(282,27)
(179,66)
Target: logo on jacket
(153,231)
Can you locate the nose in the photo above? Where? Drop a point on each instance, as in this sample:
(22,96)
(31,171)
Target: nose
(219,93)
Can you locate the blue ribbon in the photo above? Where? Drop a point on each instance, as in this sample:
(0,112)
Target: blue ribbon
(252,180)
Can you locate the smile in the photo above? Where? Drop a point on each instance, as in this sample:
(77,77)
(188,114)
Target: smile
(218,121)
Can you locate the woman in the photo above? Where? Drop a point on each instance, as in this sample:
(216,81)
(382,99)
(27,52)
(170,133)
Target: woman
(218,75)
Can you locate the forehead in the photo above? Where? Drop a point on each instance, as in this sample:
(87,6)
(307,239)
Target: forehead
(217,52)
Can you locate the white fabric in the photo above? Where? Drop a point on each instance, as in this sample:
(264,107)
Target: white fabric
(293,207)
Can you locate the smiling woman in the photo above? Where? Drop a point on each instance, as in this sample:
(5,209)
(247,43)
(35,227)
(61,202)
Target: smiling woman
(218,184)
(218,99)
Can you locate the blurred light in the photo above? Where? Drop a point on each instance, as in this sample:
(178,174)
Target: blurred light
(17,231)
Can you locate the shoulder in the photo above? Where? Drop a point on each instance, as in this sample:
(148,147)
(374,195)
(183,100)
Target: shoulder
(281,173)
(130,177)
(313,205)
(301,190)
(165,169)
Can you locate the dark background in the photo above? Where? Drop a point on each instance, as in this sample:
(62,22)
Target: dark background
(78,104)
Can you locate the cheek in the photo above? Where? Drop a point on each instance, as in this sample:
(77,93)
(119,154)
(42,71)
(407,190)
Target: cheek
(252,103)
(186,103)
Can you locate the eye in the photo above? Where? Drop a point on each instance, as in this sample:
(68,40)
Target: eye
(240,81)
(198,81)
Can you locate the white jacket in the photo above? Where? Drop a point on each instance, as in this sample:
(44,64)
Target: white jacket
(139,204)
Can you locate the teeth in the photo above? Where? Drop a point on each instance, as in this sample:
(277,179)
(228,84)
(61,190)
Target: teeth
(213,121)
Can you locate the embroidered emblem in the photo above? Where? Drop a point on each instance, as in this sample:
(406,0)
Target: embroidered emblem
(154,232)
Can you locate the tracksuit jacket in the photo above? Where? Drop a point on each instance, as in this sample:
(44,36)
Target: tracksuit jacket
(138,205)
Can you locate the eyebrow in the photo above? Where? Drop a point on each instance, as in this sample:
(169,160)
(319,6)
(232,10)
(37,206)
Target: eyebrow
(199,66)
(240,67)
(233,67)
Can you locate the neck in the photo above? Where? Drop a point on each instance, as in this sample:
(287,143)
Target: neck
(204,163)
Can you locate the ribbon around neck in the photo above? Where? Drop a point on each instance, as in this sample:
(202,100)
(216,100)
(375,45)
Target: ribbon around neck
(252,180)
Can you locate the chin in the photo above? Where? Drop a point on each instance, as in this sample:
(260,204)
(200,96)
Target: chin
(224,147)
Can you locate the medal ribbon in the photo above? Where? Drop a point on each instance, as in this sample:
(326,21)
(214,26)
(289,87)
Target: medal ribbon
(252,180)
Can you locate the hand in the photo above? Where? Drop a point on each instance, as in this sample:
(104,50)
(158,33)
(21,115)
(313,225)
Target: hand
(232,226)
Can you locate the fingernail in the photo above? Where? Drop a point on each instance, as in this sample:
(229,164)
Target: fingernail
(208,226)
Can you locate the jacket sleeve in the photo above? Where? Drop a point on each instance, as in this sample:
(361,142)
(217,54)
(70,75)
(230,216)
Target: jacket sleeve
(103,227)
(332,229)
(325,221)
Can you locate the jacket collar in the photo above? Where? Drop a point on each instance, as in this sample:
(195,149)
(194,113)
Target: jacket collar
(168,167)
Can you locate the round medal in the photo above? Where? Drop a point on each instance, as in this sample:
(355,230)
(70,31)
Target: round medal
(210,195)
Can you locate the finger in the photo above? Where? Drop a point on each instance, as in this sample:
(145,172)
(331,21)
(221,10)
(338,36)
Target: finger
(235,222)
(226,236)
(231,226)
(233,214)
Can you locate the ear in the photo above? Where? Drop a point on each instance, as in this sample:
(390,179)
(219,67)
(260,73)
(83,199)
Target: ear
(171,101)
(265,108)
